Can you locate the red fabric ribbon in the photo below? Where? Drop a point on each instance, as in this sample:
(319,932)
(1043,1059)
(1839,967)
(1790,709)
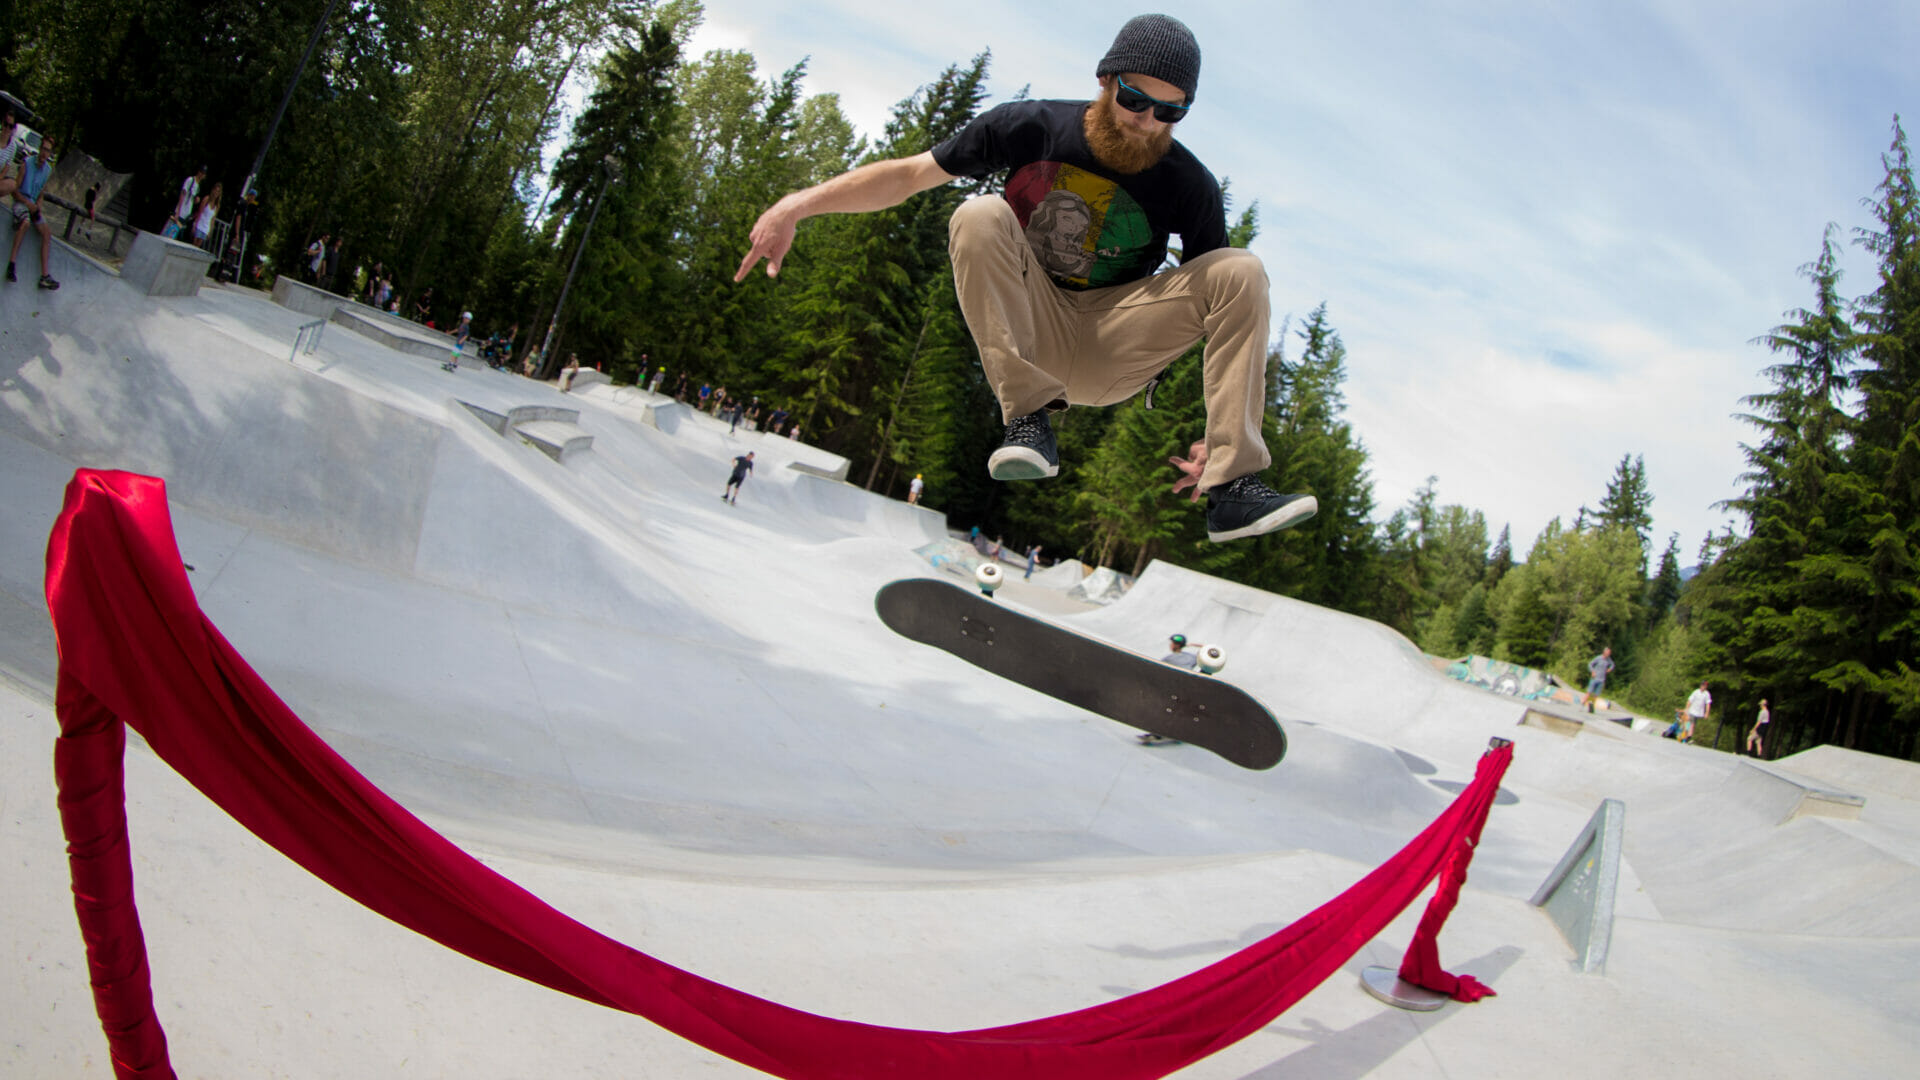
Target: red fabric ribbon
(135,647)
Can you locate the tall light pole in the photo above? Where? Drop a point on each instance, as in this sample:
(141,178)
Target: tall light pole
(260,158)
(553,328)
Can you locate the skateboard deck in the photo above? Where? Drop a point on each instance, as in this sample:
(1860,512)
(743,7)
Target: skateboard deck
(1125,686)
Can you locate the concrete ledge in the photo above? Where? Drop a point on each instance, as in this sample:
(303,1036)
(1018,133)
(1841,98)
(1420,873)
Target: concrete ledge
(305,299)
(488,417)
(554,438)
(586,377)
(410,338)
(1546,721)
(1783,796)
(158,266)
(527,414)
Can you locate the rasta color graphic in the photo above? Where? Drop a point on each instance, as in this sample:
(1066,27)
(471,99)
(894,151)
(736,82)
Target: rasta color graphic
(1085,229)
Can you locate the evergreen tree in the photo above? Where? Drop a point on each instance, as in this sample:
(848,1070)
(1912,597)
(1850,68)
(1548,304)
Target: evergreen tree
(1501,560)
(1664,589)
(1883,541)
(1628,504)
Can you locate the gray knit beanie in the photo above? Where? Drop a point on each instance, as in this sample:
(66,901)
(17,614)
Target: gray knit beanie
(1159,46)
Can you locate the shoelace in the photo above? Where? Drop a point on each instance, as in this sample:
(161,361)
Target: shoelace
(1249,487)
(1027,430)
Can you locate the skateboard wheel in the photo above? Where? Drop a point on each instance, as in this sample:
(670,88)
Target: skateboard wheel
(988,577)
(1212,659)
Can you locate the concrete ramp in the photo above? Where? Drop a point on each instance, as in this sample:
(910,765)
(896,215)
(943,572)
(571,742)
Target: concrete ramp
(1767,850)
(1349,673)
(869,512)
(1852,770)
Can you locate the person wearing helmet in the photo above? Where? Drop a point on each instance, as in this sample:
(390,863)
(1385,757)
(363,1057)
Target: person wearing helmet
(1178,657)
(914,489)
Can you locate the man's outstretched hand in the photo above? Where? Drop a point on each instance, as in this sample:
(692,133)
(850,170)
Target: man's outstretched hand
(1191,467)
(772,238)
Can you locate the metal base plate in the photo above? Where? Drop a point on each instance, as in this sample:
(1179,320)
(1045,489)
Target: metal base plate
(1386,984)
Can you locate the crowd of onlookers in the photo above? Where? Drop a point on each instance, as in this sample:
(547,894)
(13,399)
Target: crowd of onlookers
(737,409)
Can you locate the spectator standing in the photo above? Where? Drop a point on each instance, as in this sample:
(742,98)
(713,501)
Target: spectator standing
(316,258)
(914,489)
(567,373)
(654,386)
(26,211)
(1598,669)
(183,205)
(93,199)
(1033,559)
(423,307)
(1699,707)
(1755,745)
(203,220)
(333,263)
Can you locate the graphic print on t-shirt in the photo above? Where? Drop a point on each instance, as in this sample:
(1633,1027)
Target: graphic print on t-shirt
(1085,230)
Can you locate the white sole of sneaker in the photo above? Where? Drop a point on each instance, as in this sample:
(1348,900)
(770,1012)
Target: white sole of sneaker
(1291,514)
(1019,463)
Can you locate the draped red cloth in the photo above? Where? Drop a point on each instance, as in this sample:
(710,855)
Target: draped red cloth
(136,649)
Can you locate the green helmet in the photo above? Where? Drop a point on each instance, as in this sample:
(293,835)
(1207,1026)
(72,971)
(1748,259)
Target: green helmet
(1179,641)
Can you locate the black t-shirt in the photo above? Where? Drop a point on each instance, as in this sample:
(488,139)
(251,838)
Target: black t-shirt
(741,467)
(1089,226)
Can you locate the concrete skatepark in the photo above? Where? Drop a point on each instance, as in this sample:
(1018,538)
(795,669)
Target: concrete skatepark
(528,617)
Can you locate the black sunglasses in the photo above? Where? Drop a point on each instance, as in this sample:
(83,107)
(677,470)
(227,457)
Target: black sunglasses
(1134,101)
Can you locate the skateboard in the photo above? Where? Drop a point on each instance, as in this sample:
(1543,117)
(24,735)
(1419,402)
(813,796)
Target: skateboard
(1105,679)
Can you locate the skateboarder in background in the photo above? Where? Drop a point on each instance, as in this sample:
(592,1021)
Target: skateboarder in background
(1178,657)
(741,467)
(1064,301)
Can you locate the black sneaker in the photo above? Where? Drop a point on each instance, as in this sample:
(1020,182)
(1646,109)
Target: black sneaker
(47,282)
(1247,507)
(1027,452)
(10,276)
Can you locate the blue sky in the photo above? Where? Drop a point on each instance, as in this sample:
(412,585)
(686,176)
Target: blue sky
(1546,232)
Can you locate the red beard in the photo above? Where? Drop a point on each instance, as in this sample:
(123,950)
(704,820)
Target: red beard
(1118,147)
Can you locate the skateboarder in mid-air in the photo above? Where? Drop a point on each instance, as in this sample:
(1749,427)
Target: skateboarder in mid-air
(1057,278)
(741,467)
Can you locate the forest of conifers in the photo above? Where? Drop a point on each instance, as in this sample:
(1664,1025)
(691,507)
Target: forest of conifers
(416,133)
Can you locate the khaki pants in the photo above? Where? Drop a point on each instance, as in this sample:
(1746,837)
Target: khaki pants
(1043,346)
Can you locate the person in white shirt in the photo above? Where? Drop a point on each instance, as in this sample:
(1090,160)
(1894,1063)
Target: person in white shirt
(1699,707)
(183,206)
(203,221)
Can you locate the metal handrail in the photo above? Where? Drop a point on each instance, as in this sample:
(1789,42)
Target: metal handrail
(310,340)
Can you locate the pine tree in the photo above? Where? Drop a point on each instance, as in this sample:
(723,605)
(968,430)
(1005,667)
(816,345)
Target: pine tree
(1628,504)
(1501,560)
(1884,542)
